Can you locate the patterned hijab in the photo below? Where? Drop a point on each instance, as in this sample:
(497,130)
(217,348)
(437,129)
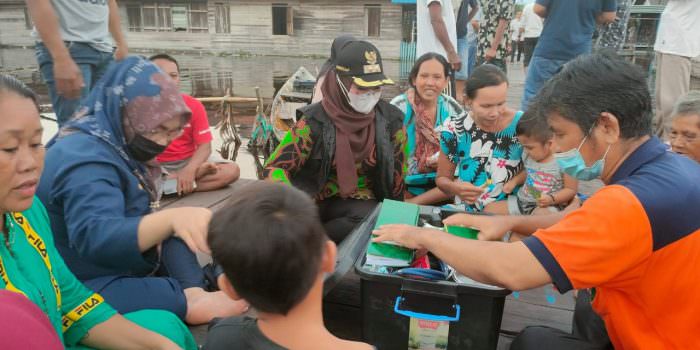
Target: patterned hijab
(427,139)
(133,97)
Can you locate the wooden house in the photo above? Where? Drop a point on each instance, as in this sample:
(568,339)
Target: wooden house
(15,24)
(259,27)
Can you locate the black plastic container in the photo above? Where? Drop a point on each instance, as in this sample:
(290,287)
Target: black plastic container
(386,299)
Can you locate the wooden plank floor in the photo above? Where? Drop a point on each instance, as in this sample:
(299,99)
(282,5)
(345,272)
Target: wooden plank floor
(212,199)
(342,304)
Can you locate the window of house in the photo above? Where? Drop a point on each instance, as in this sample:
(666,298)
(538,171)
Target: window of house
(181,19)
(408,24)
(163,17)
(148,13)
(282,19)
(373,16)
(222,18)
(155,17)
(133,16)
(199,18)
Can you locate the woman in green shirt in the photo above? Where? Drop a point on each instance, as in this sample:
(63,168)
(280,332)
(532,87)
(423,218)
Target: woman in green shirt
(30,264)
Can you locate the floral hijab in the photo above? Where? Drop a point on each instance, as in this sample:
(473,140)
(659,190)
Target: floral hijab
(133,97)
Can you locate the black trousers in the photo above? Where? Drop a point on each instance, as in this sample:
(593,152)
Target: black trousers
(339,216)
(528,48)
(588,332)
(498,62)
(516,47)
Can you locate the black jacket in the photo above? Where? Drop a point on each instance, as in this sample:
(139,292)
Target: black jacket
(315,172)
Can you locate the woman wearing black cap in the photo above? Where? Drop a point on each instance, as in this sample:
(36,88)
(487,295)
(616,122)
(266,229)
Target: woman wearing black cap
(347,151)
(338,43)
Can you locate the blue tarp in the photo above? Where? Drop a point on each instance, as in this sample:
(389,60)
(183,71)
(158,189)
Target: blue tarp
(405,2)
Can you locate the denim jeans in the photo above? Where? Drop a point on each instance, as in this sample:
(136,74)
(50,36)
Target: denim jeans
(472,56)
(92,63)
(538,72)
(463,51)
(467,53)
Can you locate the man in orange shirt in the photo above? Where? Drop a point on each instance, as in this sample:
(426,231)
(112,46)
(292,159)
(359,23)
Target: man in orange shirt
(189,158)
(636,241)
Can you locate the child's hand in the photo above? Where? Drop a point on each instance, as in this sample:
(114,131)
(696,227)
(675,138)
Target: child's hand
(573,205)
(545,200)
(508,187)
(185,180)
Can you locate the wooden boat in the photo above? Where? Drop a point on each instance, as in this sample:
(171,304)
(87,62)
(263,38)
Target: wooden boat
(295,93)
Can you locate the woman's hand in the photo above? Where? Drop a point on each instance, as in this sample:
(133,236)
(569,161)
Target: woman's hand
(467,191)
(491,228)
(404,235)
(191,224)
(187,223)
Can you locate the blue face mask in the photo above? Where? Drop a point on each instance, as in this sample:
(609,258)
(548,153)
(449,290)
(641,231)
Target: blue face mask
(571,162)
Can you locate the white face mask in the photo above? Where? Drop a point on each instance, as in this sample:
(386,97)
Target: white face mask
(362,103)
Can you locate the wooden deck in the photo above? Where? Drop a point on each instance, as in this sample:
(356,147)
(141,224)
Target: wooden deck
(342,304)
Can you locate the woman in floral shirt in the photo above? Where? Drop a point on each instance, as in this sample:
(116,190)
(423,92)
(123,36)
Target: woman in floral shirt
(481,145)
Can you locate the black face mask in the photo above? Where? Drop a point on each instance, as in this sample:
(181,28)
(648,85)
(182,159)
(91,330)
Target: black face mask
(143,149)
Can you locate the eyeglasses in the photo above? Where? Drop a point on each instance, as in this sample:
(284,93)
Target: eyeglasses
(682,136)
(175,133)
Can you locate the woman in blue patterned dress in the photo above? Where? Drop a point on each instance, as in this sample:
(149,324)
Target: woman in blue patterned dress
(481,145)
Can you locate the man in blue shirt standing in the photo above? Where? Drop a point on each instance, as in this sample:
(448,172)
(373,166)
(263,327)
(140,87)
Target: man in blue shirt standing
(567,33)
(465,15)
